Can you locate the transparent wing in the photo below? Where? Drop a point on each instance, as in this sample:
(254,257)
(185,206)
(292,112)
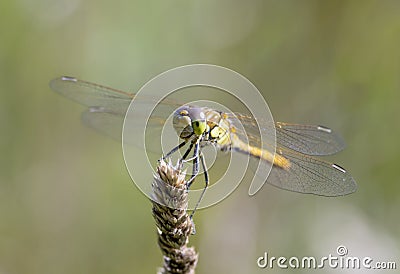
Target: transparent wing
(110,123)
(246,129)
(104,121)
(90,94)
(107,106)
(307,139)
(307,174)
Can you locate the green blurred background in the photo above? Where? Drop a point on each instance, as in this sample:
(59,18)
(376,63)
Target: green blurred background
(67,204)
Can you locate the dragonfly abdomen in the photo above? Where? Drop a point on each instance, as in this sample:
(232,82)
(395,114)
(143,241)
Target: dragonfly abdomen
(277,159)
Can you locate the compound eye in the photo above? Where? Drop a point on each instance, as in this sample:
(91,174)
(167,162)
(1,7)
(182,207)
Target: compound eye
(199,127)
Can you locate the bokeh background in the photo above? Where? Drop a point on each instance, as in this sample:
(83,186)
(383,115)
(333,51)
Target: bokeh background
(67,204)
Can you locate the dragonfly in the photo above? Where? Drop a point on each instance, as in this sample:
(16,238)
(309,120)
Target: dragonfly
(296,162)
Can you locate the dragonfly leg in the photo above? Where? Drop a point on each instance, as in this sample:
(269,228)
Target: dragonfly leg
(182,160)
(187,152)
(204,166)
(195,170)
(188,160)
(172,151)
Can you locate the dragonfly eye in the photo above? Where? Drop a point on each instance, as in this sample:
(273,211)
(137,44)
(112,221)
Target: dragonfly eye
(199,126)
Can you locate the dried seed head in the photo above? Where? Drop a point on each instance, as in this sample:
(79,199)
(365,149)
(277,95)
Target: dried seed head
(174,226)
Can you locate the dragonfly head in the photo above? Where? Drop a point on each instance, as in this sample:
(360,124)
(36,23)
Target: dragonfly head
(188,120)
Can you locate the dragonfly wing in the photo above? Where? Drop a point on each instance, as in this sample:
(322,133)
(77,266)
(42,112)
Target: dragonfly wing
(110,123)
(247,130)
(104,121)
(307,174)
(90,94)
(107,106)
(308,139)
